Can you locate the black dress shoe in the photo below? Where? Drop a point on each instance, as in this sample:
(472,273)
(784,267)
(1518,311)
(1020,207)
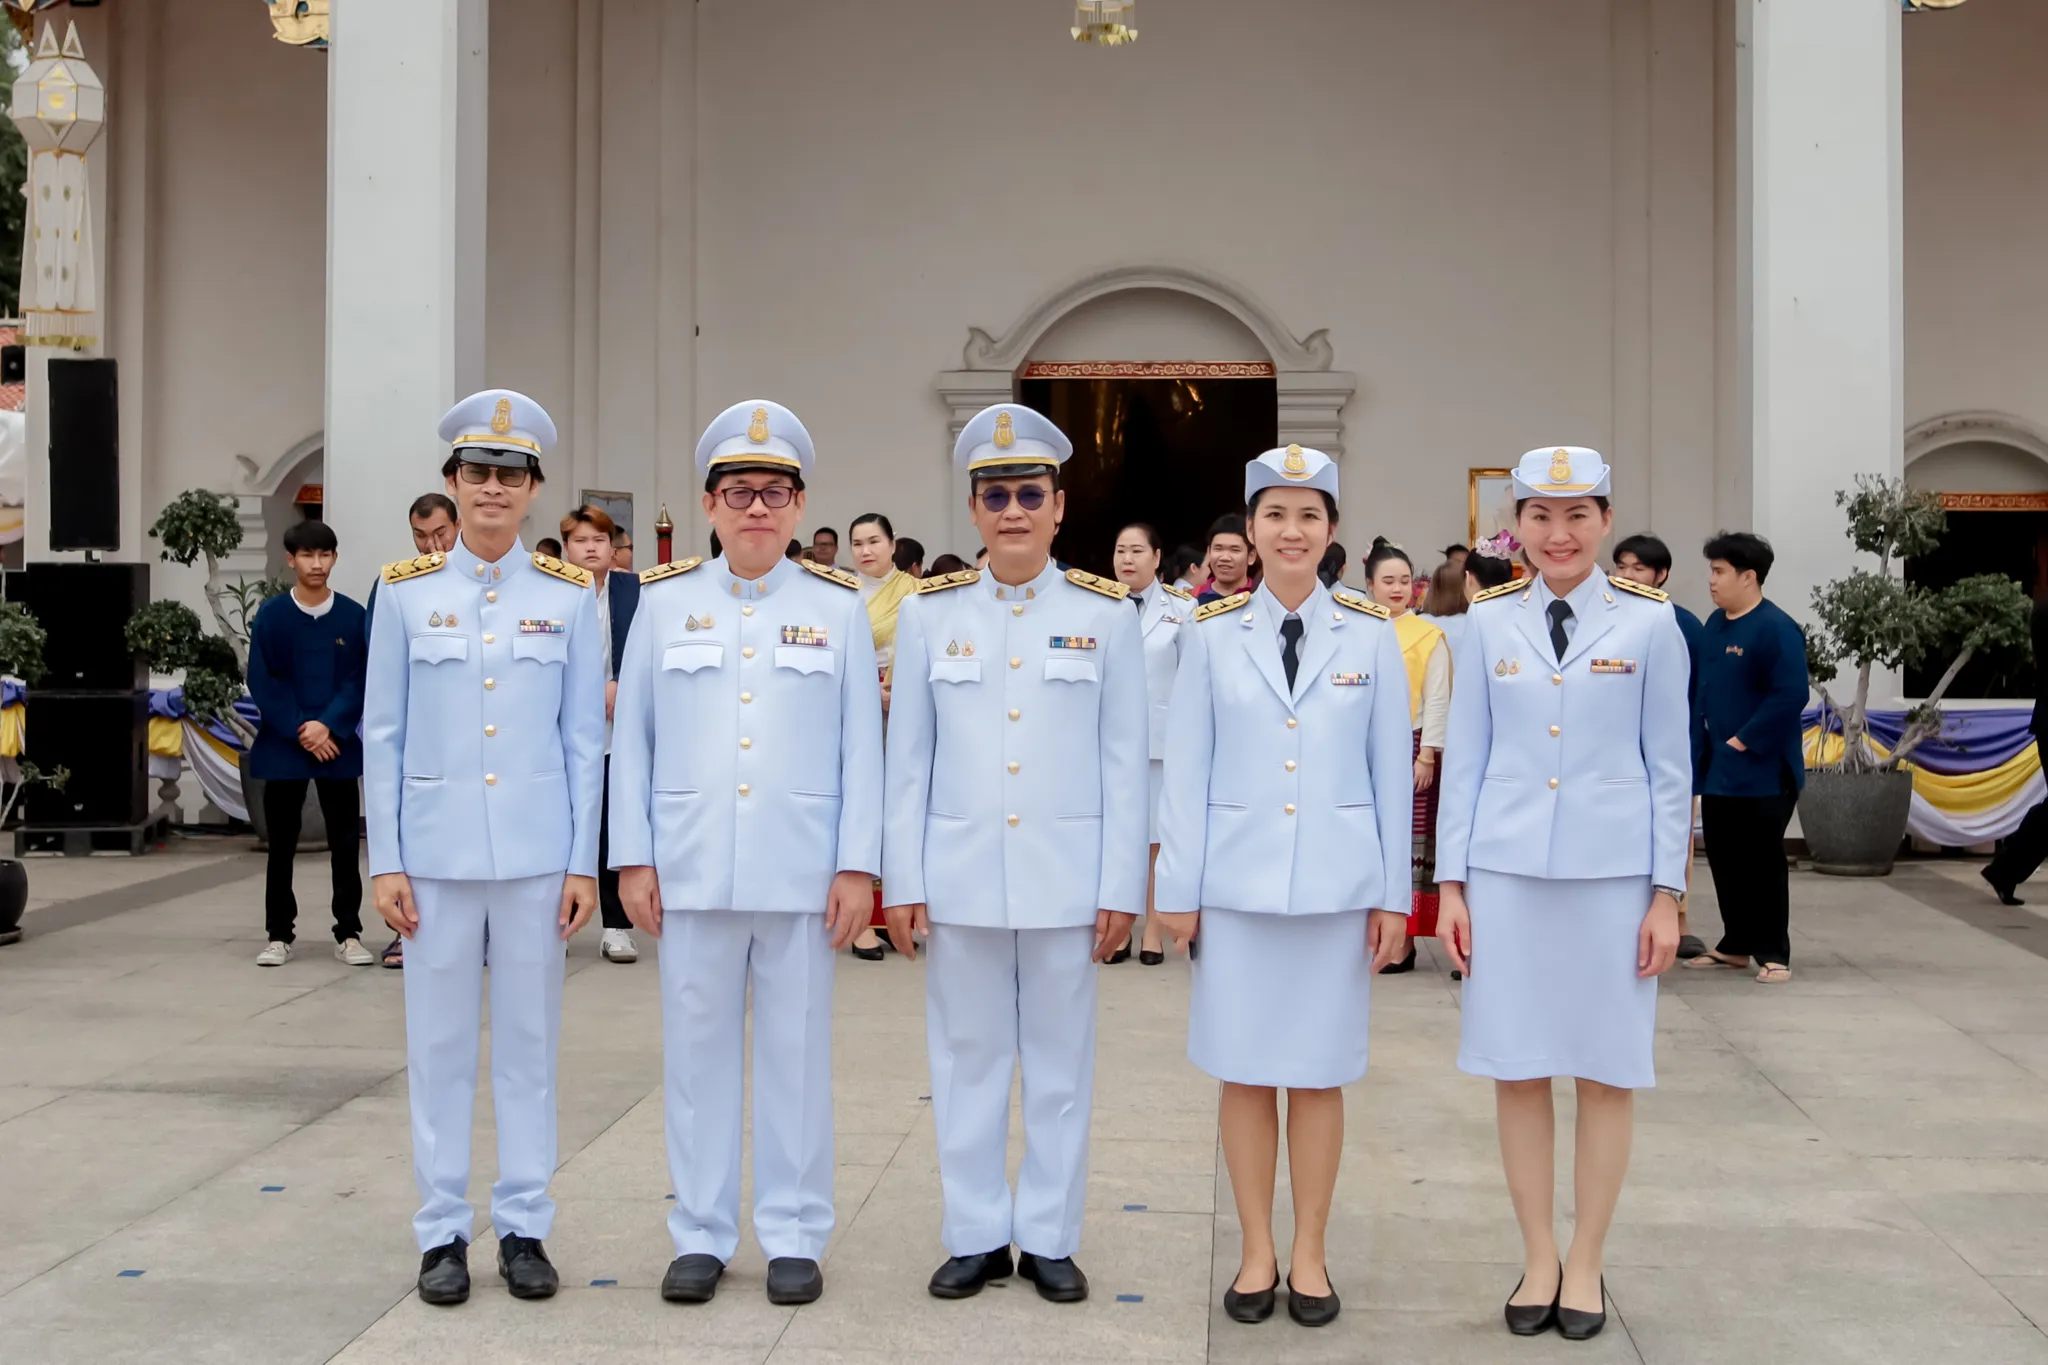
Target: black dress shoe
(1149,958)
(1532,1319)
(794,1279)
(1058,1281)
(444,1273)
(1690,947)
(524,1266)
(1581,1326)
(692,1278)
(1406,964)
(2004,889)
(873,954)
(963,1276)
(1254,1307)
(1310,1310)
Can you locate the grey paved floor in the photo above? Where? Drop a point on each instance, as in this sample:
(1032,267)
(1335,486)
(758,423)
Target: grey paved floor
(1850,1168)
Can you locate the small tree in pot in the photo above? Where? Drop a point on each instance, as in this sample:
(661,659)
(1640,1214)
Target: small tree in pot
(1855,806)
(21,658)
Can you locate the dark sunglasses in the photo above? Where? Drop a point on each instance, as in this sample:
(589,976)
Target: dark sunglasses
(740,499)
(509,476)
(1030,497)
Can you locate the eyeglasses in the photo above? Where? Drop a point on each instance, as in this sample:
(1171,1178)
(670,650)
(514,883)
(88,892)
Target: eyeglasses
(509,476)
(740,499)
(1030,497)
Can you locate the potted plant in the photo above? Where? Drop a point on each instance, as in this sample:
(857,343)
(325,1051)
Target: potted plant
(1854,808)
(21,660)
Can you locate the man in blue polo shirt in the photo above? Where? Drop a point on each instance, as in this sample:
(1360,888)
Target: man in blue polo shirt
(1747,765)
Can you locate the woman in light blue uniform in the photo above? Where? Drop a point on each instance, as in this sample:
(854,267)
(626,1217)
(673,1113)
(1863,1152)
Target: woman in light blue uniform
(1284,836)
(1162,610)
(1561,852)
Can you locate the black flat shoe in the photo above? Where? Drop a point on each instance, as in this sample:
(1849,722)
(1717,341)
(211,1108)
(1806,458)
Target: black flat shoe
(1406,964)
(1690,947)
(1254,1307)
(1122,954)
(1575,1325)
(1058,1281)
(2004,889)
(1532,1319)
(1149,958)
(794,1279)
(1309,1310)
(524,1266)
(693,1278)
(444,1273)
(873,954)
(963,1276)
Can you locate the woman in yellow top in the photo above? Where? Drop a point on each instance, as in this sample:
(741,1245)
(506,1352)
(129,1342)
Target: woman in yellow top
(883,587)
(1390,578)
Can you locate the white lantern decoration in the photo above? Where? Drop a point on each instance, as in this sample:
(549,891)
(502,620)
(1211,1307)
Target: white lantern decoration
(60,107)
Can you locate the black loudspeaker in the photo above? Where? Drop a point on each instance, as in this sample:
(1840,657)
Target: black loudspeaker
(13,364)
(83,608)
(85,456)
(102,739)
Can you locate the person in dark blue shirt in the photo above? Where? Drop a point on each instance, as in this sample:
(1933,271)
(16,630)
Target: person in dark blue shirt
(1647,560)
(2022,851)
(307,652)
(1747,764)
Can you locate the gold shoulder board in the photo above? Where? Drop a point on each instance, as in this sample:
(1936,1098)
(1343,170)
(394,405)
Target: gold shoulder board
(1108,587)
(843,577)
(1174,590)
(412,568)
(568,573)
(1512,585)
(669,570)
(1630,585)
(1357,603)
(958,579)
(1221,605)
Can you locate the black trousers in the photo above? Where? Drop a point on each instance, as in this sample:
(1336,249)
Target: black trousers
(284,801)
(2022,850)
(609,906)
(1745,838)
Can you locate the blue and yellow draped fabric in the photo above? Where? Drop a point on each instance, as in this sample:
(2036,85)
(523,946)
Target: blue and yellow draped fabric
(13,718)
(1971,785)
(212,749)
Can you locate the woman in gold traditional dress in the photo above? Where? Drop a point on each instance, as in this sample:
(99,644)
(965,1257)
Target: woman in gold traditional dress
(1390,578)
(883,587)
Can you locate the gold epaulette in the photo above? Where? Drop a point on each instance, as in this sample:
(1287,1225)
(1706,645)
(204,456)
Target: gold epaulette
(1108,587)
(669,570)
(1512,585)
(412,568)
(1357,603)
(1630,585)
(568,573)
(1221,605)
(843,577)
(1174,590)
(958,579)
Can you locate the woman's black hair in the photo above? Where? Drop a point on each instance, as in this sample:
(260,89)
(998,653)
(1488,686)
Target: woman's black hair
(1332,566)
(948,563)
(1251,509)
(1382,551)
(1178,563)
(1488,571)
(877,518)
(1599,501)
(908,552)
(1151,535)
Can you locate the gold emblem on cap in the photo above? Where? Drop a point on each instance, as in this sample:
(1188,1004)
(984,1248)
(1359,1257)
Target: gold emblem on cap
(757,430)
(1295,466)
(1561,467)
(1006,431)
(501,420)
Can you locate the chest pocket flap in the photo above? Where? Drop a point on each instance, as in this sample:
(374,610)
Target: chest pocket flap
(693,655)
(1060,668)
(956,670)
(439,649)
(546,649)
(806,659)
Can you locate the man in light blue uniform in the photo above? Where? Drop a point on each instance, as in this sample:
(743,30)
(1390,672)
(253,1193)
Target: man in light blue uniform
(1016,840)
(483,722)
(746,827)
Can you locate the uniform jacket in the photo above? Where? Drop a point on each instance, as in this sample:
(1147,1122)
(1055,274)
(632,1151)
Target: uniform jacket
(1018,784)
(747,739)
(1573,769)
(484,719)
(1165,612)
(305,668)
(1288,801)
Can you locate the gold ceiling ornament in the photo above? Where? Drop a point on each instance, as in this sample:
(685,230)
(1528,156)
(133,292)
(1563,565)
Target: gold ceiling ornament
(301,23)
(1109,23)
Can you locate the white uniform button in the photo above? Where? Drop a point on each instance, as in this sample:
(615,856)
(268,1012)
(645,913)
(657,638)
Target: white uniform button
(490,639)
(490,730)
(1016,662)
(491,596)
(746,611)
(1017,610)
(1289,808)
(747,653)
(490,779)
(1013,765)
(1553,784)
(746,743)
(1290,765)
(1014,713)
(745,789)
(1013,820)
(1292,722)
(746,697)
(490,683)
(1555,731)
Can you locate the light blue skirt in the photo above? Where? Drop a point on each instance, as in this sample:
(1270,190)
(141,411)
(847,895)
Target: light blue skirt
(1281,1000)
(1553,989)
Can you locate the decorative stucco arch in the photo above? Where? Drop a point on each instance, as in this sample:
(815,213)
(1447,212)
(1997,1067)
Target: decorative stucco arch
(255,499)
(1960,428)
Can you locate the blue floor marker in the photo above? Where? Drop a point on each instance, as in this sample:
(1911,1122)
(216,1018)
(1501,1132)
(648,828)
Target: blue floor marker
(671,1198)
(1134,1208)
(129,1275)
(603,1284)
(1130,1298)
(273,1189)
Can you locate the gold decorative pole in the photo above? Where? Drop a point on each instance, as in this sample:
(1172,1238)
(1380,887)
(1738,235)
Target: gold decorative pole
(664,536)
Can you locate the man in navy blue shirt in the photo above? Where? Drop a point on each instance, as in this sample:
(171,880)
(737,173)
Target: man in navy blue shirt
(307,653)
(1747,764)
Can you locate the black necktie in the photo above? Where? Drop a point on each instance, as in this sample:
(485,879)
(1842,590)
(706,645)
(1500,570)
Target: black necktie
(1560,611)
(1290,635)
(1139,603)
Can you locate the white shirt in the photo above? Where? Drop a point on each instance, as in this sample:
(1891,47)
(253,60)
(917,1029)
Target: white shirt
(316,613)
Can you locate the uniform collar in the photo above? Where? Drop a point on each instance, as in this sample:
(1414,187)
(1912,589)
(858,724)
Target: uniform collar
(1266,610)
(1037,587)
(732,585)
(1581,598)
(470,568)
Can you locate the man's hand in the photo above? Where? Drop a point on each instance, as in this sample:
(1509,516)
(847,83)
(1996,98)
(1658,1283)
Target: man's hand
(1112,931)
(1737,745)
(391,893)
(907,924)
(1454,925)
(1386,936)
(579,900)
(316,740)
(1181,928)
(1657,942)
(640,892)
(848,907)
(611,698)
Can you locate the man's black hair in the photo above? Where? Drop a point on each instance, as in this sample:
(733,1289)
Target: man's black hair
(426,504)
(310,535)
(1742,551)
(1649,551)
(711,483)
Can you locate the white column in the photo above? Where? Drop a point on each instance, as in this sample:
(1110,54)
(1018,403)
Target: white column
(1819,161)
(407,111)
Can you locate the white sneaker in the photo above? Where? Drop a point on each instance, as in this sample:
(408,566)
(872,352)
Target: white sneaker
(618,946)
(354,953)
(276,955)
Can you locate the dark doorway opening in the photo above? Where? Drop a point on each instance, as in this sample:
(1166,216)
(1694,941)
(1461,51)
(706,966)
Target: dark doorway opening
(1159,443)
(2009,542)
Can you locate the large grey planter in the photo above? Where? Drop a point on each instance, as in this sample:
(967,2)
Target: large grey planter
(1854,822)
(312,824)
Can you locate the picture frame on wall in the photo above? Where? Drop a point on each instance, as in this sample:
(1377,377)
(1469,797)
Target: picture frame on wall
(1490,503)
